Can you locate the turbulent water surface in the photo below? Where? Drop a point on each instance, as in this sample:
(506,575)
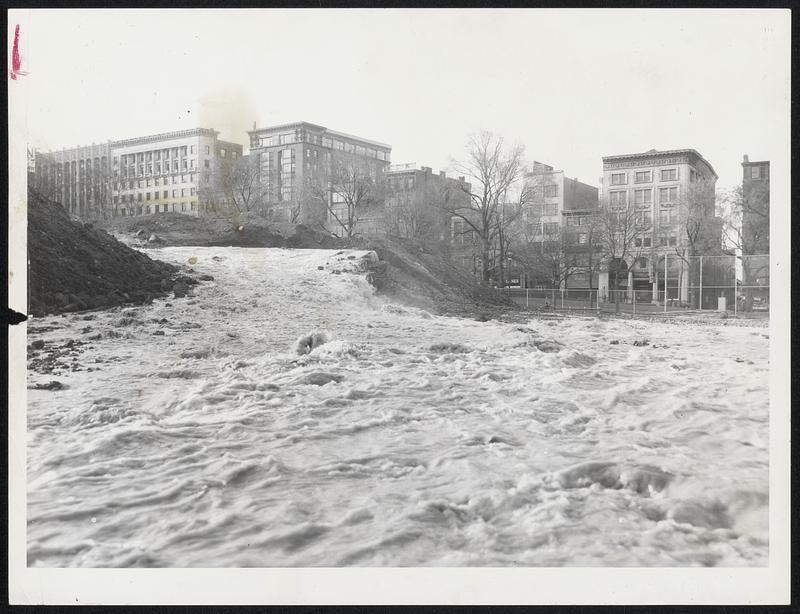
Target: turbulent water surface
(198,433)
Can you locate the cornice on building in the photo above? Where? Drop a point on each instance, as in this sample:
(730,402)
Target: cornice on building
(654,153)
(165,136)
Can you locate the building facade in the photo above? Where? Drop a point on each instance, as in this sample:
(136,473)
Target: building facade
(662,188)
(168,172)
(755,214)
(298,163)
(417,201)
(557,217)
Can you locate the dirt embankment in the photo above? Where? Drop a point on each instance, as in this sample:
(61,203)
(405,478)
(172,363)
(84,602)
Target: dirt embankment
(74,266)
(248,230)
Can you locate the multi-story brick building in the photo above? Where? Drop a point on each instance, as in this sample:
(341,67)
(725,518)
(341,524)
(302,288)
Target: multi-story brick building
(417,201)
(169,172)
(755,210)
(659,186)
(296,164)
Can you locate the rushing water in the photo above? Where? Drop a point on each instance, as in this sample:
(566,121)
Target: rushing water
(406,439)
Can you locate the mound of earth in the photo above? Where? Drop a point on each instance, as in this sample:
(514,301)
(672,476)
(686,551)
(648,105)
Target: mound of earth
(247,230)
(74,266)
(422,275)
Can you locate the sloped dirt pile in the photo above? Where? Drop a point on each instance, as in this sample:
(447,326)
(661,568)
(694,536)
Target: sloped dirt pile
(422,275)
(74,266)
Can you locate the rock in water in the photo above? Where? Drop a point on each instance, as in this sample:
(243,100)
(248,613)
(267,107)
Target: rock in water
(307,343)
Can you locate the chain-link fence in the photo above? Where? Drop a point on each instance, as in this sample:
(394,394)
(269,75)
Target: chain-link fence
(735,284)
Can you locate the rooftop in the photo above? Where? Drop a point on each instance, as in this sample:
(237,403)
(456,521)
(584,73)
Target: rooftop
(303,124)
(655,152)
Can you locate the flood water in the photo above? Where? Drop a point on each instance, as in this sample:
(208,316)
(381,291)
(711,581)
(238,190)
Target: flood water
(201,437)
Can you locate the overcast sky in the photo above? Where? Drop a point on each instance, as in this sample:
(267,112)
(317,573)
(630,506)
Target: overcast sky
(571,86)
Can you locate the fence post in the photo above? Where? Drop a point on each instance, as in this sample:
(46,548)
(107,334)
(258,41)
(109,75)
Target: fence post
(665,282)
(597,300)
(562,298)
(553,297)
(701,282)
(526,299)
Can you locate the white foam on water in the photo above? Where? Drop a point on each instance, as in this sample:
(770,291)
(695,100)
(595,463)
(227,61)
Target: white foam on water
(398,438)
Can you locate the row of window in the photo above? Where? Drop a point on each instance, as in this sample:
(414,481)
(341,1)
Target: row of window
(156,195)
(157,154)
(298,136)
(165,208)
(146,183)
(157,168)
(663,241)
(667,174)
(757,172)
(644,196)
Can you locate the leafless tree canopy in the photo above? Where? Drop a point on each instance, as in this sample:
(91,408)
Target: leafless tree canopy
(349,189)
(494,172)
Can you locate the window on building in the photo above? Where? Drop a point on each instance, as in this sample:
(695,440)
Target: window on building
(637,242)
(285,139)
(665,216)
(155,195)
(327,142)
(642,197)
(669,174)
(550,228)
(644,219)
(662,241)
(139,197)
(222,152)
(183,206)
(673,240)
(668,195)
(618,199)
(158,168)
(641,177)
(147,196)
(174,193)
(183,191)
(166,193)
(551,190)
(618,179)
(208,150)
(551,209)
(755,172)
(647,242)
(582,238)
(193,191)
(206,164)
(193,149)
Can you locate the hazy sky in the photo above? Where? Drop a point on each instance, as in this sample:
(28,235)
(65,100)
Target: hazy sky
(570,85)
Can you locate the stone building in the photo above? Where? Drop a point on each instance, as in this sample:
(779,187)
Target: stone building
(168,172)
(664,189)
(298,163)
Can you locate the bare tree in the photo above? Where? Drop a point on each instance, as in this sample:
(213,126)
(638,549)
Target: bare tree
(416,213)
(242,182)
(746,232)
(493,171)
(354,185)
(699,231)
(618,228)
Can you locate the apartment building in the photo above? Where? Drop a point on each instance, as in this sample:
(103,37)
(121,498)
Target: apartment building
(169,172)
(657,185)
(558,215)
(417,201)
(297,165)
